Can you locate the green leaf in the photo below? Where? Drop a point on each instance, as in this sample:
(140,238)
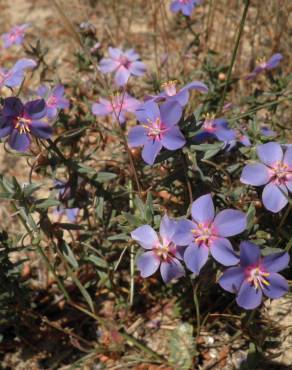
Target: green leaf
(29,189)
(46,203)
(69,255)
(140,207)
(105,176)
(149,208)
(6,195)
(99,207)
(97,261)
(121,236)
(250,216)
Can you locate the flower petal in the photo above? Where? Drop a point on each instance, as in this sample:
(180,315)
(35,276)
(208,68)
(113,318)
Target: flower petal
(274,60)
(137,68)
(167,229)
(289,183)
(131,104)
(131,54)
(278,286)
(43,91)
(183,233)
(221,249)
(58,91)
(137,136)
(182,97)
(171,269)
(249,297)
(72,214)
(35,109)
(203,209)
(41,129)
(273,198)
(100,109)
(230,222)
(122,75)
(12,107)
(232,279)
(145,236)
(270,153)
(255,174)
(5,130)
(19,142)
(276,262)
(150,150)
(173,139)
(195,257)
(115,53)
(249,254)
(171,113)
(108,65)
(223,134)
(288,158)
(148,264)
(24,63)
(197,85)
(148,112)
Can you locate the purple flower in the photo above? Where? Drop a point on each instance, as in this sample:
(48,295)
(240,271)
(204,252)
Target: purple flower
(263,65)
(124,64)
(207,232)
(65,192)
(161,251)
(117,107)
(159,129)
(255,275)
(14,36)
(215,127)
(14,76)
(240,137)
(20,121)
(275,172)
(185,6)
(54,99)
(70,213)
(182,96)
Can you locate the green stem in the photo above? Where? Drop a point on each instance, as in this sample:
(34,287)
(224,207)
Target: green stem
(262,106)
(241,26)
(40,250)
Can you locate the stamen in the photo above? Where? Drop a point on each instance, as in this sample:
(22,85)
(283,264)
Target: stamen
(257,278)
(22,125)
(170,87)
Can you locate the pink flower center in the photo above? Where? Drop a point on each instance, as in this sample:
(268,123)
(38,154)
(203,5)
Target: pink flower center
(52,101)
(22,125)
(165,251)
(184,1)
(262,62)
(280,172)
(203,233)
(257,276)
(209,123)
(155,129)
(117,104)
(15,33)
(170,88)
(124,61)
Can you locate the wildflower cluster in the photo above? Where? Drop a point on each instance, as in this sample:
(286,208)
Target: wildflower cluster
(160,126)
